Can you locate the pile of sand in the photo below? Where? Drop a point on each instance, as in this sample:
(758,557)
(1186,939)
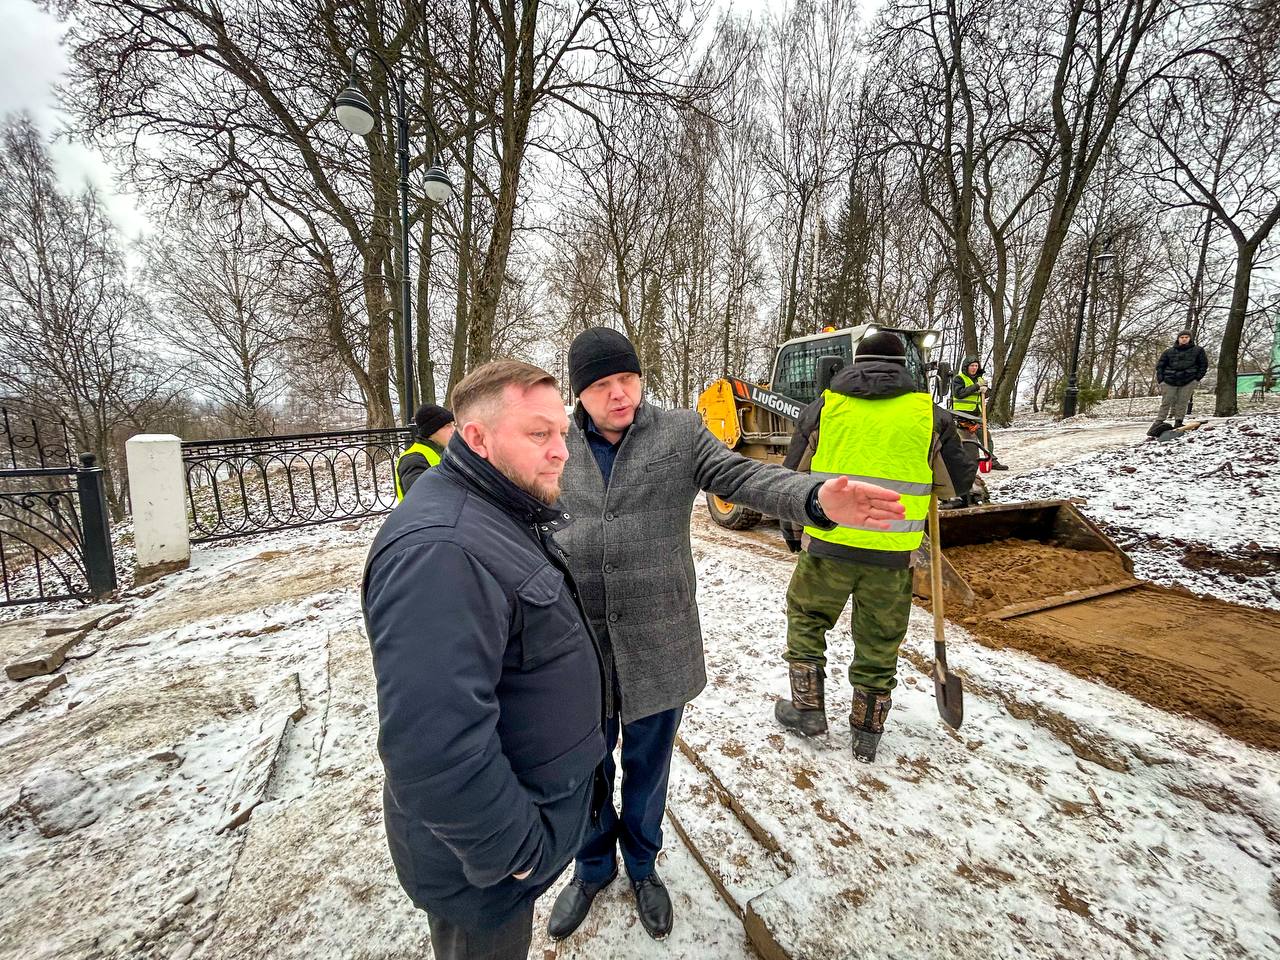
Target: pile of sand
(1014,571)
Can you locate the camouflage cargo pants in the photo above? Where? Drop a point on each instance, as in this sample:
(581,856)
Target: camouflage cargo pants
(819,588)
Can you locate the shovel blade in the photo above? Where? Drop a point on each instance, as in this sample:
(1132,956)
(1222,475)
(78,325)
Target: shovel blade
(949,693)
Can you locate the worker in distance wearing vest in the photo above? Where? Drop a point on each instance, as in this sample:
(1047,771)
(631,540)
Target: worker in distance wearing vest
(874,425)
(968,393)
(432,428)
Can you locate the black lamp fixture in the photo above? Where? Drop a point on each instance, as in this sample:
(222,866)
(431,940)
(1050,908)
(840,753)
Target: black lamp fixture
(1103,262)
(356,114)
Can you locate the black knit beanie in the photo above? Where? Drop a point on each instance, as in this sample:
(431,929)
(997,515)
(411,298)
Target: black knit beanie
(431,418)
(599,352)
(880,346)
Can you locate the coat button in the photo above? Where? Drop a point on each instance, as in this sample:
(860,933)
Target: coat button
(608,568)
(613,618)
(608,516)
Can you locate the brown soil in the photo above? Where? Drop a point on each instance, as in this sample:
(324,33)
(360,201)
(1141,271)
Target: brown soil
(1187,654)
(1011,571)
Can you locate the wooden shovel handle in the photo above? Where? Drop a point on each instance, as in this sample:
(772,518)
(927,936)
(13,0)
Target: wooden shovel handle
(935,573)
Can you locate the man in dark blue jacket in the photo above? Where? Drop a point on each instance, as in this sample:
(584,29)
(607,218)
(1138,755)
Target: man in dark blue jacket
(491,700)
(1178,371)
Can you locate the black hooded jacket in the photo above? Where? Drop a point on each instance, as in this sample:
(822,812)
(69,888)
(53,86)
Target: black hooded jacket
(959,389)
(953,468)
(1180,365)
(490,692)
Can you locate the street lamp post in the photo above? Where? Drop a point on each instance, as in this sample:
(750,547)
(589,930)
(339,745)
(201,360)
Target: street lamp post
(355,113)
(1071,394)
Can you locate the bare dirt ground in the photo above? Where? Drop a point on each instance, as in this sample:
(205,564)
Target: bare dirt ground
(1199,656)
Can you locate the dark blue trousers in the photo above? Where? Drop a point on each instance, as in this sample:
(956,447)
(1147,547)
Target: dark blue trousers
(646,765)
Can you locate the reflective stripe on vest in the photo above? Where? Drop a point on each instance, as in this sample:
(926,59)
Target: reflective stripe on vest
(433,458)
(886,442)
(970,403)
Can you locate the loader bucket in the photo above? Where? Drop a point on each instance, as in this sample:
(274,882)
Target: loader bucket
(1056,522)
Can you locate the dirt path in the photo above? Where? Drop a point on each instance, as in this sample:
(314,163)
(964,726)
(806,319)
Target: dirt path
(1195,655)
(1216,661)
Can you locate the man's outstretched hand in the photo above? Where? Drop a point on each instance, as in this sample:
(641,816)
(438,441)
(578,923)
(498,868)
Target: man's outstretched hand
(852,503)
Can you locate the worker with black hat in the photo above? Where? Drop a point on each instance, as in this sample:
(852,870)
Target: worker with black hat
(633,473)
(432,428)
(874,423)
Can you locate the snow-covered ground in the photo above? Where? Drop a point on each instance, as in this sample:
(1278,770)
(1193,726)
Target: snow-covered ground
(1064,819)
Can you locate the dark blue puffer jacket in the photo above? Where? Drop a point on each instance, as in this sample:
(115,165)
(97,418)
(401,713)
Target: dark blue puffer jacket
(1181,365)
(490,692)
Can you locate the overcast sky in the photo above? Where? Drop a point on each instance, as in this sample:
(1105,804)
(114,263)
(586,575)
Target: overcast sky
(32,63)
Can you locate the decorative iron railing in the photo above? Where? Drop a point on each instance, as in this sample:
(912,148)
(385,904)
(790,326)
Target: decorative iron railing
(55,542)
(252,485)
(27,444)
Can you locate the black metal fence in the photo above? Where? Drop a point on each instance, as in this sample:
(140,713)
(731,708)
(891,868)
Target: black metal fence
(26,443)
(252,485)
(55,541)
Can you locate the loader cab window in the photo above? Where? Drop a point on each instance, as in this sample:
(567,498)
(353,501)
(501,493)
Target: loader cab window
(796,372)
(916,367)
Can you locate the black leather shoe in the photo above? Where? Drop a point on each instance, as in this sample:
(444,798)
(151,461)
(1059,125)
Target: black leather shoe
(572,906)
(653,903)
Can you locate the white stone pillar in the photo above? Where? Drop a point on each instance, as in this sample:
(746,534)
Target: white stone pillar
(157,490)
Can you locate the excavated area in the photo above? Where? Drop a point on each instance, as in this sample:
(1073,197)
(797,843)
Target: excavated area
(1194,655)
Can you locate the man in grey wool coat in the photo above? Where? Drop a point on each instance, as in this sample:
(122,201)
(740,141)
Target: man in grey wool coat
(633,473)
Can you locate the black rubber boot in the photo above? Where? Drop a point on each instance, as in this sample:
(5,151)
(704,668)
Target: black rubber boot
(805,713)
(866,722)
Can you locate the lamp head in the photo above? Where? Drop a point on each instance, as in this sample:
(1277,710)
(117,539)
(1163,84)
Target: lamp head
(354,111)
(437,185)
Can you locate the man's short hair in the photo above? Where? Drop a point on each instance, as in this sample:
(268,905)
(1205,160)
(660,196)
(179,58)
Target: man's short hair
(484,386)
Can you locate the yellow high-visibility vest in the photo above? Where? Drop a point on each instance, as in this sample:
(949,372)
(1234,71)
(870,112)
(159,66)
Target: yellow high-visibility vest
(970,403)
(883,441)
(433,458)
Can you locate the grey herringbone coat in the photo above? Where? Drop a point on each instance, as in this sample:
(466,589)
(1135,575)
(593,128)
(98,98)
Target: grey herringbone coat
(629,545)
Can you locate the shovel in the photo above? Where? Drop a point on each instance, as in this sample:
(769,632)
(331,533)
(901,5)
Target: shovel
(946,686)
(985,465)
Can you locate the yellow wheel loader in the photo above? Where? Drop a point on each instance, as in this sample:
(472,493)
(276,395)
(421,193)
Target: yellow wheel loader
(757,421)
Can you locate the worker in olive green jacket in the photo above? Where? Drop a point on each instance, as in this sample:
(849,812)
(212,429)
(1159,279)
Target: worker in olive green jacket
(873,425)
(432,428)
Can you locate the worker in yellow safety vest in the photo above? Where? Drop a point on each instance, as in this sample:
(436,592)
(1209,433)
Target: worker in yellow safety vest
(968,393)
(876,425)
(432,428)
(968,387)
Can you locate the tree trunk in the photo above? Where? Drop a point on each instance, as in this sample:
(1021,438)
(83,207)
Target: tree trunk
(788,329)
(1225,404)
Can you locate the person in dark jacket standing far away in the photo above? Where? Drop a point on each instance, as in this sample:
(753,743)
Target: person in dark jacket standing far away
(1178,371)
(634,471)
(490,682)
(432,428)
(874,424)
